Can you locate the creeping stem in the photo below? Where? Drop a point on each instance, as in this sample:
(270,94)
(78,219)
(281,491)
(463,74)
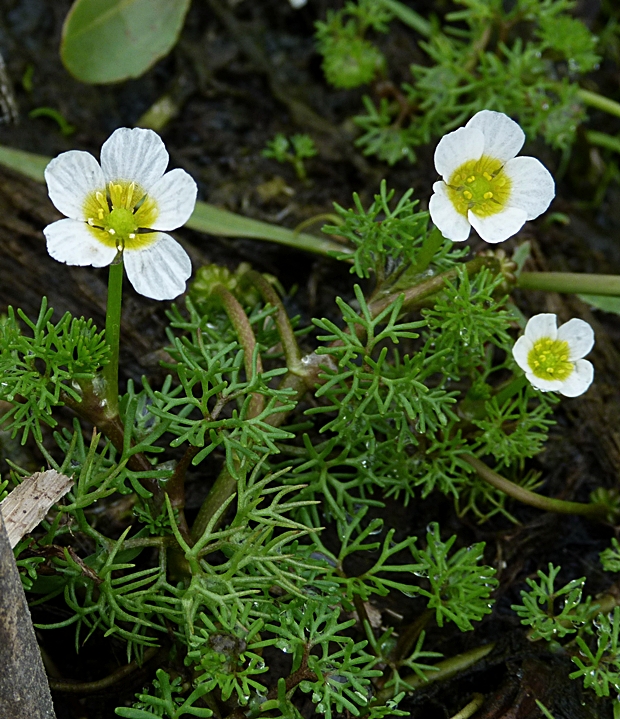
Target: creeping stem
(113,334)
(594,510)
(283,323)
(245,334)
(226,484)
(416,295)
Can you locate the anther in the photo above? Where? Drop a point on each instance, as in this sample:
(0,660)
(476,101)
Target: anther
(100,214)
(488,195)
(471,178)
(132,235)
(467,194)
(487,176)
(91,222)
(111,231)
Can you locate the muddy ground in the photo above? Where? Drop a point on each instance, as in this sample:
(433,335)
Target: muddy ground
(240,75)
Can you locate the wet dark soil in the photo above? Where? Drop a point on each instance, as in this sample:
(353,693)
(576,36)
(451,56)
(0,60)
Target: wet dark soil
(241,72)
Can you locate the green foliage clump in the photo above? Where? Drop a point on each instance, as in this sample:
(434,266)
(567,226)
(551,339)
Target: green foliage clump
(555,614)
(349,59)
(43,367)
(523,59)
(402,387)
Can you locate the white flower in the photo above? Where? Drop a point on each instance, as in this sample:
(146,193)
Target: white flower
(123,206)
(296,4)
(552,358)
(485,185)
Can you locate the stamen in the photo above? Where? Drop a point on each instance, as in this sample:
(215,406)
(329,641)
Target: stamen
(132,235)
(487,176)
(100,214)
(130,191)
(467,194)
(471,178)
(111,231)
(91,221)
(488,195)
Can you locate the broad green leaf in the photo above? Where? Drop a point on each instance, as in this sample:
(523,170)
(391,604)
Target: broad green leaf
(107,41)
(206,218)
(606,303)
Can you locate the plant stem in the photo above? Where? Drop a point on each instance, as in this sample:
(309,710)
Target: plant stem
(444,670)
(416,295)
(601,102)
(113,335)
(247,340)
(602,139)
(62,685)
(471,708)
(433,241)
(510,389)
(593,510)
(283,323)
(224,486)
(570,282)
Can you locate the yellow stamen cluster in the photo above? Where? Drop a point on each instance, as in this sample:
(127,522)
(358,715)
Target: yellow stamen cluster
(549,359)
(479,186)
(119,216)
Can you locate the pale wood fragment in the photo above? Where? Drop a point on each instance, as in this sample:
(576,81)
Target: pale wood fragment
(28,504)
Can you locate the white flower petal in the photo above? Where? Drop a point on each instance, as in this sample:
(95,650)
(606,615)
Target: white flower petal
(70,178)
(175,195)
(580,338)
(457,147)
(520,352)
(450,223)
(545,385)
(160,270)
(580,379)
(541,326)
(500,226)
(503,138)
(74,243)
(532,187)
(134,155)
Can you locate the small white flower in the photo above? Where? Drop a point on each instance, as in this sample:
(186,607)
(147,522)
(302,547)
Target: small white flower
(123,205)
(552,358)
(485,185)
(296,4)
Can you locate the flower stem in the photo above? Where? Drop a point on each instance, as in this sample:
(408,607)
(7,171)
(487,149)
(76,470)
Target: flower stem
(570,282)
(600,102)
(113,335)
(594,510)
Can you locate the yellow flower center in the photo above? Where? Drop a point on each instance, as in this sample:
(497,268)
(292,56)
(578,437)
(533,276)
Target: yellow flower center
(122,216)
(548,359)
(480,186)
